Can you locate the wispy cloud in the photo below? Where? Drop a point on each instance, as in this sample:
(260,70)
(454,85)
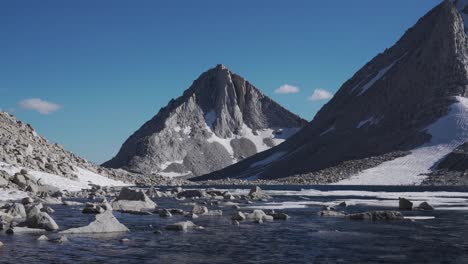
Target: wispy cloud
(320,94)
(39,105)
(287,89)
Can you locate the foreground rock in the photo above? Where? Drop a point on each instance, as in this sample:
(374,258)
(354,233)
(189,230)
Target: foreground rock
(259,216)
(331,213)
(182,226)
(24,230)
(130,200)
(38,219)
(104,223)
(424,206)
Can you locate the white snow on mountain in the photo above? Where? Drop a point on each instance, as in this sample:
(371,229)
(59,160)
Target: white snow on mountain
(84,178)
(448,133)
(369,121)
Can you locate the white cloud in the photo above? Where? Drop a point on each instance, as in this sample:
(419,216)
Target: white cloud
(39,105)
(320,94)
(287,89)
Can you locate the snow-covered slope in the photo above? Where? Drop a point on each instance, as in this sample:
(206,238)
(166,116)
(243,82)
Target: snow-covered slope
(220,120)
(447,133)
(83,178)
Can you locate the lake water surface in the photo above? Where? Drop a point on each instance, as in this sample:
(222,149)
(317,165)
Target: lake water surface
(439,236)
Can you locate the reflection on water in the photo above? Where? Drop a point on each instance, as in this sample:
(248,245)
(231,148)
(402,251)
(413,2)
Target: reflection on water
(434,237)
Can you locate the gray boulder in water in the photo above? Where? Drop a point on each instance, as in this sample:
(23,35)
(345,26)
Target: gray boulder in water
(104,223)
(376,216)
(130,200)
(404,204)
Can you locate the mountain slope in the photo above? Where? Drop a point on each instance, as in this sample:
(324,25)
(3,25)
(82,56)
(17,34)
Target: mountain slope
(386,109)
(219,120)
(21,147)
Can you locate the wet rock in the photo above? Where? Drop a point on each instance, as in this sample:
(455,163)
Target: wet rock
(280,216)
(342,204)
(38,219)
(71,203)
(181,226)
(42,238)
(130,200)
(425,206)
(61,239)
(91,208)
(256,193)
(177,211)
(104,223)
(27,200)
(17,211)
(165,213)
(376,216)
(405,204)
(238,216)
(199,210)
(258,215)
(213,213)
(331,213)
(24,230)
(48,210)
(124,240)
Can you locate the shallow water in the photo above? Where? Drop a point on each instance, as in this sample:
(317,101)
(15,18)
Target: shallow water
(304,238)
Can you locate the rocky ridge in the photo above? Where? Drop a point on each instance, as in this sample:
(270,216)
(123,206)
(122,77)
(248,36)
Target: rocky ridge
(219,120)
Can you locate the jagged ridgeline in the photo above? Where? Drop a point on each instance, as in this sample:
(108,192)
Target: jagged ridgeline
(391,122)
(219,120)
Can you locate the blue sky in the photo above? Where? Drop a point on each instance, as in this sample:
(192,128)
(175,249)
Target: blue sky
(107,66)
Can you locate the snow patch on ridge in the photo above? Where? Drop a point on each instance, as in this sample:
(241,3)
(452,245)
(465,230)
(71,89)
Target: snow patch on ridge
(327,131)
(371,121)
(377,77)
(448,133)
(85,177)
(273,157)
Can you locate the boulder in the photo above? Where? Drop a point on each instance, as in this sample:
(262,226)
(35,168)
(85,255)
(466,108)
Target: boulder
(405,204)
(191,194)
(104,223)
(17,210)
(256,193)
(259,215)
(425,206)
(42,238)
(181,226)
(376,216)
(199,210)
(24,230)
(331,213)
(280,216)
(27,200)
(20,180)
(130,200)
(165,213)
(38,219)
(213,213)
(91,208)
(238,216)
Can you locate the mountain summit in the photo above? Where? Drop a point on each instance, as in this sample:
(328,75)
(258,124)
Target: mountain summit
(391,122)
(219,120)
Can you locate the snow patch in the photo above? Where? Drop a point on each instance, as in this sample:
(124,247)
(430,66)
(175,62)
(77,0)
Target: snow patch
(173,174)
(448,133)
(327,131)
(371,121)
(379,76)
(85,177)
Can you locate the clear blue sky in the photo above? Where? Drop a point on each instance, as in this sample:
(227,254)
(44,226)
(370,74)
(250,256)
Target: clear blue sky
(111,65)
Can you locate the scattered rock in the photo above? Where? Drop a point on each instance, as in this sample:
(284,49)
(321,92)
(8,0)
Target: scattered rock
(199,210)
(27,200)
(405,204)
(376,216)
(124,240)
(21,230)
(256,193)
(61,239)
(17,211)
(130,200)
(104,223)
(43,238)
(425,206)
(38,219)
(238,216)
(258,215)
(331,213)
(181,226)
(71,203)
(165,213)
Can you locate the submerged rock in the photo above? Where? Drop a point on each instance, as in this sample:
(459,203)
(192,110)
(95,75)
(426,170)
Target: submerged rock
(376,216)
(191,194)
(182,226)
(104,223)
(42,238)
(238,216)
(331,213)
